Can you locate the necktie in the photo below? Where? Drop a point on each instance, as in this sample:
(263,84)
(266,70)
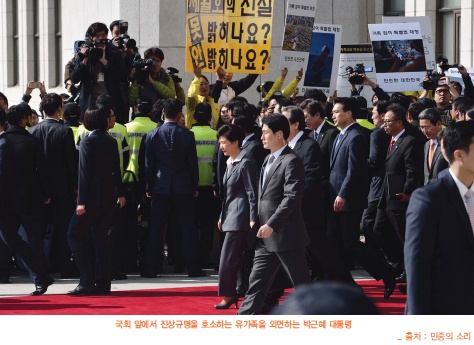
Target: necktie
(339,138)
(391,145)
(315,135)
(469,196)
(268,166)
(431,154)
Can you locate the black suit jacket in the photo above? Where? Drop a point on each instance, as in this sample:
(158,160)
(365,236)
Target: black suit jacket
(438,164)
(255,151)
(326,138)
(439,251)
(32,175)
(310,153)
(349,173)
(61,156)
(406,160)
(279,203)
(100,181)
(171,160)
(8,191)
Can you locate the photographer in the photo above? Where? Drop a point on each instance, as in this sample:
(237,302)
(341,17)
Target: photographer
(99,69)
(149,79)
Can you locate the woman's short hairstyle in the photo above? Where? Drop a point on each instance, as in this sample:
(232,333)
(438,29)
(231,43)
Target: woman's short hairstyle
(96,118)
(232,133)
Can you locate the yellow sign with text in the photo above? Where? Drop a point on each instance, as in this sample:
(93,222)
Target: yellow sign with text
(234,34)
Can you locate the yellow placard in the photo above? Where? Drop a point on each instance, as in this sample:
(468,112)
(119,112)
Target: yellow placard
(234,34)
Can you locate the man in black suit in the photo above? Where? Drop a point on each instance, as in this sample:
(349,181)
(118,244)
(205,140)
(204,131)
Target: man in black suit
(403,174)
(12,197)
(348,189)
(61,159)
(379,142)
(172,182)
(434,162)
(325,134)
(320,249)
(439,245)
(32,180)
(282,234)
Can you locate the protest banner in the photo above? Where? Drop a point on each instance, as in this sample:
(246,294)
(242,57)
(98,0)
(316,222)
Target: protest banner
(352,57)
(399,56)
(298,31)
(323,62)
(426,35)
(234,34)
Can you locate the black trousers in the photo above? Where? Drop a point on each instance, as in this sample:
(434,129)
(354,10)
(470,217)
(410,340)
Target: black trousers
(389,230)
(162,205)
(31,259)
(88,239)
(265,267)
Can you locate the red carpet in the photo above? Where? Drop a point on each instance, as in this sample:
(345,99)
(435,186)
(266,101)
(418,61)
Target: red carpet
(172,301)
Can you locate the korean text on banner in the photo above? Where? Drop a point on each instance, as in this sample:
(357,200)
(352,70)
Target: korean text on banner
(323,61)
(234,34)
(399,56)
(298,32)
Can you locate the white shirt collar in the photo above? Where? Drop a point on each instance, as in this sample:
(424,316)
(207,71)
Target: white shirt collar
(276,154)
(297,137)
(247,138)
(395,138)
(237,159)
(343,131)
(318,130)
(461,186)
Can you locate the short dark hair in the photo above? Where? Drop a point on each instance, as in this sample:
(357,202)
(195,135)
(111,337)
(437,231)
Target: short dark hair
(157,110)
(348,104)
(313,107)
(16,113)
(50,103)
(470,113)
(238,108)
(285,102)
(399,113)
(382,106)
(245,122)
(430,114)
(277,122)
(462,104)
(401,99)
(3,118)
(95,28)
(114,23)
(4,98)
(96,118)
(172,108)
(143,105)
(203,112)
(458,136)
(105,99)
(155,51)
(295,114)
(231,132)
(415,109)
(237,99)
(316,95)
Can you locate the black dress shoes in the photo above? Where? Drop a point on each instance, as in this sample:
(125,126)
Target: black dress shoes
(402,278)
(403,289)
(4,280)
(42,288)
(119,276)
(197,274)
(389,287)
(83,290)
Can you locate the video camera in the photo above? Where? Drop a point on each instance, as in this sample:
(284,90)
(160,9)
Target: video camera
(172,74)
(125,39)
(433,80)
(92,52)
(140,65)
(443,63)
(359,69)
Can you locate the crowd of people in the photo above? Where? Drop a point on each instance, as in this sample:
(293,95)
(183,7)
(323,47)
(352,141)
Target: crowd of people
(126,173)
